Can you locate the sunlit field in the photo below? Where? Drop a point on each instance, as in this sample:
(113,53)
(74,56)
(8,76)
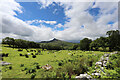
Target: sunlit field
(24,65)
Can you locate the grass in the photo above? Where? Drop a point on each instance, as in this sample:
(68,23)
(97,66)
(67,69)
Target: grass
(48,57)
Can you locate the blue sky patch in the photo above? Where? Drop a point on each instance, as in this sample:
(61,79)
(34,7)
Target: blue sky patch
(32,11)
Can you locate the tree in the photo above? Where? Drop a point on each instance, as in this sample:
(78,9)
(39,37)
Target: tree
(75,46)
(114,39)
(84,44)
(8,40)
(99,42)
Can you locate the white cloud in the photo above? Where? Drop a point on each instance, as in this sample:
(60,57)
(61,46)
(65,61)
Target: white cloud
(59,25)
(92,29)
(41,21)
(17,28)
(9,7)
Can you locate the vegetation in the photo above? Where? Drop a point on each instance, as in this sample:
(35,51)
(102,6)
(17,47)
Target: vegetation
(65,63)
(29,59)
(110,43)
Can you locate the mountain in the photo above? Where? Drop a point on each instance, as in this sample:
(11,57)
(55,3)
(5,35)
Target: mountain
(50,41)
(58,42)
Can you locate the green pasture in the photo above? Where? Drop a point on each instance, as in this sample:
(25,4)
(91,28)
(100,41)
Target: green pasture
(44,57)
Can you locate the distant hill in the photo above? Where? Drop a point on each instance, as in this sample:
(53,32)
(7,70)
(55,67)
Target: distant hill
(55,41)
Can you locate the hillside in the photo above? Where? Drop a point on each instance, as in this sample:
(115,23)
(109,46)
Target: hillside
(55,41)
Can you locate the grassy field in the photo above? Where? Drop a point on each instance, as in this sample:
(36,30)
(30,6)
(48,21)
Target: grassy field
(22,67)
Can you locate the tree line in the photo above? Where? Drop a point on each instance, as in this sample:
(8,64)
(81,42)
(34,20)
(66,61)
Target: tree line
(20,43)
(110,43)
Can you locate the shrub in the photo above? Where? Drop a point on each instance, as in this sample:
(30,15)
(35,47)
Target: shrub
(36,53)
(24,69)
(3,54)
(21,65)
(31,53)
(31,50)
(33,76)
(60,64)
(38,67)
(6,54)
(20,50)
(31,71)
(10,67)
(26,56)
(34,56)
(20,54)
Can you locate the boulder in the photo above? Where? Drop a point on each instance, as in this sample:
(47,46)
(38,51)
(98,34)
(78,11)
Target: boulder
(69,53)
(83,76)
(28,53)
(4,63)
(96,74)
(47,67)
(98,63)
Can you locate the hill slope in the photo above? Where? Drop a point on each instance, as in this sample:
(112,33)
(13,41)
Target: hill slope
(59,43)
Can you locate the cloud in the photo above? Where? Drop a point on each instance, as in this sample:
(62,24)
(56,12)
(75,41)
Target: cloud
(17,28)
(59,25)
(41,21)
(92,29)
(9,7)
(75,11)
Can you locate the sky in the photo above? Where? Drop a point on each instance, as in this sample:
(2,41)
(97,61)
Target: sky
(43,20)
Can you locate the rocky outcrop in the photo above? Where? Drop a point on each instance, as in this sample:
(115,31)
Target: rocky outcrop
(99,67)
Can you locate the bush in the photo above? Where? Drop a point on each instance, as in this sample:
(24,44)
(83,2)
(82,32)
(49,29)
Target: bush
(31,50)
(21,65)
(36,53)
(20,54)
(26,56)
(20,50)
(37,67)
(60,64)
(3,54)
(6,54)
(24,69)
(31,71)
(10,67)
(33,76)
(34,56)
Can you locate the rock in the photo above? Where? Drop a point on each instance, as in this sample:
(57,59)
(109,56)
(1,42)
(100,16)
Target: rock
(4,63)
(28,53)
(105,65)
(69,53)
(107,58)
(96,74)
(83,76)
(102,58)
(98,63)
(104,62)
(47,67)
(106,55)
